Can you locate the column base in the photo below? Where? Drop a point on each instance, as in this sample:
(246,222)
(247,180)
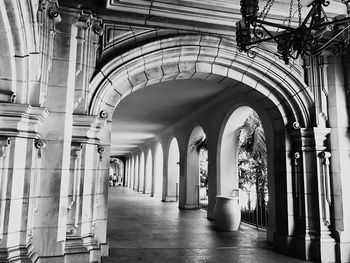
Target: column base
(76,258)
(18,254)
(170,199)
(344,251)
(189,206)
(104,250)
(3,255)
(210,216)
(307,248)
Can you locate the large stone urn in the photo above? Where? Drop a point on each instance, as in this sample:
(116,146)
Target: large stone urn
(227,213)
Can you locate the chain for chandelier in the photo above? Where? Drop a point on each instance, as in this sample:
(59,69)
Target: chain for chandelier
(316,34)
(299,12)
(290,12)
(266,9)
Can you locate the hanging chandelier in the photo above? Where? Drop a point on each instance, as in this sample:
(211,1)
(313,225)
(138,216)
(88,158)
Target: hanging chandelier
(314,35)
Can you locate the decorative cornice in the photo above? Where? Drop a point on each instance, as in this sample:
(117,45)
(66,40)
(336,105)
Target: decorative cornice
(21,120)
(90,242)
(86,129)
(310,138)
(74,244)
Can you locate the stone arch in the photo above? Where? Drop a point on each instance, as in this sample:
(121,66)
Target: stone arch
(227,148)
(278,163)
(157,182)
(19,28)
(132,171)
(192,171)
(171,184)
(279,93)
(208,58)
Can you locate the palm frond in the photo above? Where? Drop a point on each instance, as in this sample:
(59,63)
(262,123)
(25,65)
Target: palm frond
(199,143)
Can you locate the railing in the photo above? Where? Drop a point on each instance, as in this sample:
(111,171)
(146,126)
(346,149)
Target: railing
(254,209)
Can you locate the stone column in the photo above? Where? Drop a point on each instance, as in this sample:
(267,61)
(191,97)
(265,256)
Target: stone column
(339,121)
(136,171)
(57,133)
(312,198)
(154,162)
(141,177)
(189,177)
(4,195)
(89,32)
(148,172)
(165,172)
(132,172)
(18,159)
(87,209)
(126,172)
(145,179)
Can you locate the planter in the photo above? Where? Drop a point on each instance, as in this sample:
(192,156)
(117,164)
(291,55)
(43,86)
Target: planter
(227,213)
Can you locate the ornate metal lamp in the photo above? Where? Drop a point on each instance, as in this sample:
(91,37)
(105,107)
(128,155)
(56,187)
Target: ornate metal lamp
(311,37)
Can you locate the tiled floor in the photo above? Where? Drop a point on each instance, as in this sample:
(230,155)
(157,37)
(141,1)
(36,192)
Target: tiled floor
(144,229)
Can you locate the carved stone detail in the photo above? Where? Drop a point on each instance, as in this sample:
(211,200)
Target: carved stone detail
(51,7)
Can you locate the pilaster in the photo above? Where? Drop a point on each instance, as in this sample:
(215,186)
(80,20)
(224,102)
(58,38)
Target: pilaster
(18,139)
(82,242)
(314,239)
(89,32)
(339,121)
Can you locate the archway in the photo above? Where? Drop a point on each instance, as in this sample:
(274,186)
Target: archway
(172,179)
(197,170)
(148,172)
(244,162)
(229,152)
(141,177)
(158,172)
(117,168)
(269,84)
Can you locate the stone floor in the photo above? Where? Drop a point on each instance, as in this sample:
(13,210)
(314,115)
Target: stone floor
(144,229)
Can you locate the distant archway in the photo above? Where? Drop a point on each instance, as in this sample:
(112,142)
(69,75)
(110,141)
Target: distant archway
(229,159)
(195,149)
(172,182)
(158,171)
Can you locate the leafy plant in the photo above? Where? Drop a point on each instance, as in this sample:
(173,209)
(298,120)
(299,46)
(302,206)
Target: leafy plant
(252,154)
(199,145)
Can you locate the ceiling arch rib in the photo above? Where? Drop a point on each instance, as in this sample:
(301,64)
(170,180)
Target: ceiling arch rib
(207,58)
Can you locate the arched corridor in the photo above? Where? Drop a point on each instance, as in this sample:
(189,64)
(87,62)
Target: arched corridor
(102,101)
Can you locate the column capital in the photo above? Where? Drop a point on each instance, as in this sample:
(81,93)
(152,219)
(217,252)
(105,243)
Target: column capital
(310,138)
(21,120)
(86,128)
(87,19)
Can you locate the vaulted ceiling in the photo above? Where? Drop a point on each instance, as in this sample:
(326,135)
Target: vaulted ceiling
(148,112)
